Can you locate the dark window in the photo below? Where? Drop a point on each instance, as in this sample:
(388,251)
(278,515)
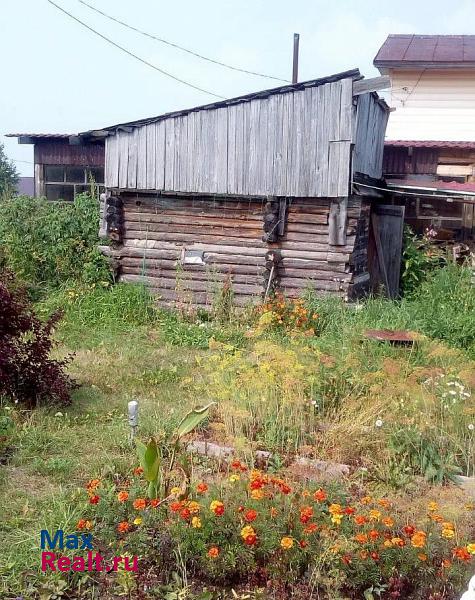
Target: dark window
(53,173)
(60,192)
(97,173)
(75,175)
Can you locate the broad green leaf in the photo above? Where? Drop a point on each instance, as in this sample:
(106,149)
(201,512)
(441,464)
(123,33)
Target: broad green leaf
(149,459)
(192,420)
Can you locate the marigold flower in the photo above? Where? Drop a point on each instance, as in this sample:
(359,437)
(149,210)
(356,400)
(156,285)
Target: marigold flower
(176,506)
(418,540)
(373,534)
(432,507)
(361,538)
(311,528)
(185,513)
(213,552)
(196,522)
(303,543)
(257,494)
(349,510)
(471,548)
(335,509)
(374,515)
(320,495)
(139,504)
(234,477)
(217,507)
(305,494)
(246,531)
(346,559)
(388,521)
(175,491)
(448,534)
(409,530)
(366,500)
(201,488)
(286,543)
(94,499)
(448,525)
(436,517)
(138,521)
(256,484)
(384,503)
(93,484)
(336,519)
(250,540)
(306,513)
(194,507)
(361,520)
(397,541)
(122,496)
(422,557)
(388,544)
(83,524)
(446,563)
(462,554)
(250,515)
(123,527)
(374,556)
(154,503)
(236,464)
(255,474)
(138,471)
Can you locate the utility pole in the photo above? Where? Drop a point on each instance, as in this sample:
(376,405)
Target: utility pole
(295,65)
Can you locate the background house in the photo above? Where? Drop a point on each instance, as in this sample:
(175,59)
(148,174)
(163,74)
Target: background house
(257,188)
(65,165)
(430,145)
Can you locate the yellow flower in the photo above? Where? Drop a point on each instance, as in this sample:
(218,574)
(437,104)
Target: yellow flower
(194,507)
(138,521)
(257,494)
(432,507)
(175,491)
(247,531)
(471,548)
(336,519)
(335,509)
(286,543)
(448,534)
(234,477)
(196,522)
(374,515)
(388,544)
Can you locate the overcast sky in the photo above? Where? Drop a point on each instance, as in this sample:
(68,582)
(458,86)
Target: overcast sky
(59,77)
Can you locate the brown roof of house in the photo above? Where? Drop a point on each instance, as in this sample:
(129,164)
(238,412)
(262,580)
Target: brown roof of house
(406,50)
(430,144)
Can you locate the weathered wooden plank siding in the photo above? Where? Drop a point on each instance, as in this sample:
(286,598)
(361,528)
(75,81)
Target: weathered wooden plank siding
(294,143)
(371,121)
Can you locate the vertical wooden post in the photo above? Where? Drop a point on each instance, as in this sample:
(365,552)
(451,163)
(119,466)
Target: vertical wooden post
(39,181)
(337,221)
(295,64)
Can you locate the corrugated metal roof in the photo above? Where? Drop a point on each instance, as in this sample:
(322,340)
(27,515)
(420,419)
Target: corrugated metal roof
(430,144)
(353,73)
(429,50)
(41,135)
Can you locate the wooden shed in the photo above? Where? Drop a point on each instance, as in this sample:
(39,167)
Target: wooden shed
(257,190)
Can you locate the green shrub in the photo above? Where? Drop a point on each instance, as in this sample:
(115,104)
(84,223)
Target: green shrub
(420,257)
(47,243)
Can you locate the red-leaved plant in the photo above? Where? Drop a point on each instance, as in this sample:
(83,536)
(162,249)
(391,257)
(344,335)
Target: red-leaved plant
(28,375)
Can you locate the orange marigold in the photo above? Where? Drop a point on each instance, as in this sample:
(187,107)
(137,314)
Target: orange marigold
(311,528)
(418,540)
(122,496)
(388,521)
(83,524)
(213,552)
(138,471)
(250,515)
(286,543)
(93,484)
(320,495)
(154,503)
(361,538)
(123,527)
(201,488)
(361,520)
(139,503)
(462,554)
(306,513)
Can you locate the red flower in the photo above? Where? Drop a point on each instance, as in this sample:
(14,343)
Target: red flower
(374,555)
(409,530)
(306,513)
(201,488)
(154,503)
(236,465)
(320,495)
(185,514)
(303,544)
(462,554)
(346,558)
(94,499)
(139,504)
(250,515)
(349,510)
(373,534)
(138,471)
(176,506)
(257,484)
(250,540)
(361,520)
(284,488)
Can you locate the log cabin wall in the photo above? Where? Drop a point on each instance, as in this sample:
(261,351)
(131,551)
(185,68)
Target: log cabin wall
(185,248)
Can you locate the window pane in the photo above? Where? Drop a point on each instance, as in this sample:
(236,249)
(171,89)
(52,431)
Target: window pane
(60,192)
(54,173)
(97,173)
(80,189)
(75,174)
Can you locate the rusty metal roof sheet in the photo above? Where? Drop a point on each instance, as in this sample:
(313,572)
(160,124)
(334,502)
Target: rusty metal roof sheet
(430,144)
(426,50)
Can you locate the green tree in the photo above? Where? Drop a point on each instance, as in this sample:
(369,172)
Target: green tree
(8,174)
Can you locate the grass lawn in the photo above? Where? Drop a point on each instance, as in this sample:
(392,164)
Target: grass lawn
(320,395)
